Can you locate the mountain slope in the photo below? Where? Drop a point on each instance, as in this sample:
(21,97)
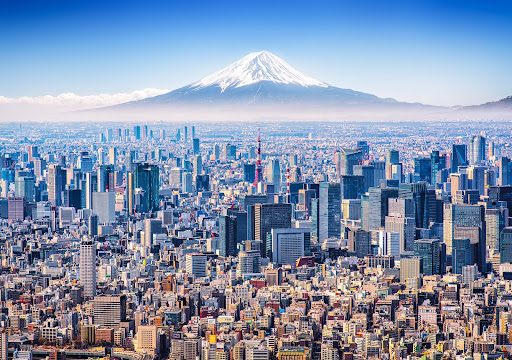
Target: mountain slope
(262,78)
(500,105)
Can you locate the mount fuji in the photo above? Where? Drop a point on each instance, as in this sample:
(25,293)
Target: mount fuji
(262,78)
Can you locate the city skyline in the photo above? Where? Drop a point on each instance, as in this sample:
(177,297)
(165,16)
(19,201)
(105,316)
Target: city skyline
(433,53)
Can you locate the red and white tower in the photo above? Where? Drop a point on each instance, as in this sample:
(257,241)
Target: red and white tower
(259,171)
(288,200)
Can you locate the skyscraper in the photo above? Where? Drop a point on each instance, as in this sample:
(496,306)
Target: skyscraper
(476,149)
(411,268)
(422,169)
(459,156)
(88,267)
(249,262)
(195,146)
(378,203)
(424,202)
(392,158)
(438,163)
(109,310)
(146,177)
(329,215)
(346,159)
(433,253)
(351,186)
(404,226)
(461,254)
(227,235)
(359,243)
(196,264)
(56,181)
(268,217)
(506,245)
(290,244)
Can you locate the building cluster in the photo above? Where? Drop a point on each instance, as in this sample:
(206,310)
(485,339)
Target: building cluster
(159,242)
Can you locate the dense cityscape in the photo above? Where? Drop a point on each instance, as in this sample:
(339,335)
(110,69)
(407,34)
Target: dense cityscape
(267,241)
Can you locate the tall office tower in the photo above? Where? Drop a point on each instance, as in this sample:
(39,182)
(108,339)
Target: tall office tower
(367,172)
(146,177)
(288,245)
(389,244)
(506,245)
(274,173)
(329,215)
(88,268)
(495,221)
(404,226)
(175,176)
(345,160)
(268,217)
(103,205)
(186,183)
(216,152)
(459,157)
(392,158)
(145,132)
(128,160)
(93,225)
(110,135)
(351,186)
(112,156)
(195,146)
(433,253)
(315,218)
(469,273)
(438,163)
(226,243)
(196,264)
(178,135)
(363,145)
(24,187)
(39,168)
(359,243)
(229,152)
(504,171)
(476,178)
(193,132)
(458,181)
(109,310)
(85,162)
(249,172)
(56,181)
(136,132)
(424,202)
(106,178)
(476,149)
(351,209)
(4,345)
(400,207)
(411,268)
(249,262)
(422,170)
(185,134)
(457,216)
(241,224)
(197,165)
(16,208)
(33,152)
(202,183)
(151,227)
(258,177)
(376,204)
(461,255)
(91,185)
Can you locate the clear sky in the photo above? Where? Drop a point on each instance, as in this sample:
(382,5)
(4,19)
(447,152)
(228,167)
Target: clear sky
(436,52)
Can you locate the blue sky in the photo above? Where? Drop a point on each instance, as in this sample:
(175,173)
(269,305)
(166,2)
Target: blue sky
(435,52)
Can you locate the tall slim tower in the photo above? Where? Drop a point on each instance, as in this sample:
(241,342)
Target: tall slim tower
(88,267)
(259,171)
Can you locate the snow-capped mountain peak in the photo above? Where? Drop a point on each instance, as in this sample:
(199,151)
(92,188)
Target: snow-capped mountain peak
(256,67)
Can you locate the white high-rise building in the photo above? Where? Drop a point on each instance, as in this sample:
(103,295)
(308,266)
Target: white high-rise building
(4,342)
(288,245)
(88,267)
(196,265)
